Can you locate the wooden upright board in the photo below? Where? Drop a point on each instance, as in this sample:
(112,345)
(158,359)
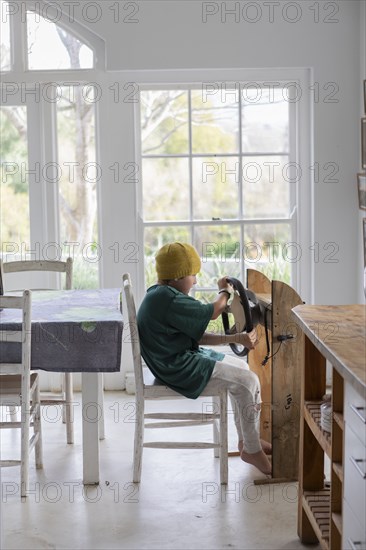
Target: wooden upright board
(287,361)
(280,377)
(261,286)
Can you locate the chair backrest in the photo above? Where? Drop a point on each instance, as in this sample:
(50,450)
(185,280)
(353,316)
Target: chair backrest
(134,334)
(55,266)
(23,337)
(1,278)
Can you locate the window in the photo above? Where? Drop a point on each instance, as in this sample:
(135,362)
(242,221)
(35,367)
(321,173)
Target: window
(78,172)
(5,53)
(57,215)
(52,47)
(14,190)
(219,171)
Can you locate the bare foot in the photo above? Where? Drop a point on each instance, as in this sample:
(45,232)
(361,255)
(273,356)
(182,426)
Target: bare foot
(259,460)
(266,447)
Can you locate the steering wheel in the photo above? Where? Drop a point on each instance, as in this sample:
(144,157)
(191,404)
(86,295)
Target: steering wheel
(246,314)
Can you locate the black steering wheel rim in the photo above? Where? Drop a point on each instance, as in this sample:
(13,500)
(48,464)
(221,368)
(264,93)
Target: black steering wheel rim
(238,286)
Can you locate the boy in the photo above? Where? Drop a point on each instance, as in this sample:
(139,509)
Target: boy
(172,324)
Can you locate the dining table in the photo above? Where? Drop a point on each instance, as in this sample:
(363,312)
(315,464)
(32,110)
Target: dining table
(74,331)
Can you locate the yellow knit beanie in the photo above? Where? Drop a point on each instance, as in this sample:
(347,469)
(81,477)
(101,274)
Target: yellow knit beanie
(176,260)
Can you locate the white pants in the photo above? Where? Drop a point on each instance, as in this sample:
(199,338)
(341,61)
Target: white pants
(244,390)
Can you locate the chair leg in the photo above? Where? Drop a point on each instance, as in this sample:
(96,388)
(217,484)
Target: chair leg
(223,440)
(138,443)
(216,431)
(24,449)
(68,407)
(38,451)
(13,413)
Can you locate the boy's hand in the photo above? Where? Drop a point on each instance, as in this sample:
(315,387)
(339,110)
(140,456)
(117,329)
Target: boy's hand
(247,339)
(223,284)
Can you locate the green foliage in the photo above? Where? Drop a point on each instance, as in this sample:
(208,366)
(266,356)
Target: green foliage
(214,270)
(13,148)
(14,228)
(150,273)
(156,237)
(280,270)
(85,273)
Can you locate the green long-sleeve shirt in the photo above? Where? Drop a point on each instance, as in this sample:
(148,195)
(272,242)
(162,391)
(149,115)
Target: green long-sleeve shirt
(170,325)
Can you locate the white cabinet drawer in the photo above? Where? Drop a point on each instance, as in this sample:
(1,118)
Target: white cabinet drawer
(354,474)
(355,412)
(354,533)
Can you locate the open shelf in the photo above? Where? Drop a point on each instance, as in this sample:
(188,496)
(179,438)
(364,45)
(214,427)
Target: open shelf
(338,470)
(337,520)
(317,507)
(320,505)
(312,416)
(338,418)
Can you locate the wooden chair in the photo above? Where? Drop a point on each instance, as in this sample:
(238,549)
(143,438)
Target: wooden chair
(18,387)
(147,387)
(65,399)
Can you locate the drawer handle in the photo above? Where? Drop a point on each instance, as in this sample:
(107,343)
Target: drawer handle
(355,544)
(357,410)
(355,462)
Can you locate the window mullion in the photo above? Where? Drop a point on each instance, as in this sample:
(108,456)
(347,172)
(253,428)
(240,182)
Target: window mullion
(50,158)
(213,154)
(190,162)
(36,172)
(294,187)
(18,41)
(241,194)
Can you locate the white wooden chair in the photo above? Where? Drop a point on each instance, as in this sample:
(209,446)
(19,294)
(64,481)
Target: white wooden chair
(147,387)
(18,387)
(65,399)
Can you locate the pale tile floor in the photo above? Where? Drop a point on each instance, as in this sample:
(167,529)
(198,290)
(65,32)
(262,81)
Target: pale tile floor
(179,504)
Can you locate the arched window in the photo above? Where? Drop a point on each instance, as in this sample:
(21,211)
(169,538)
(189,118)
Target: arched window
(50,65)
(39,36)
(50,47)
(5,58)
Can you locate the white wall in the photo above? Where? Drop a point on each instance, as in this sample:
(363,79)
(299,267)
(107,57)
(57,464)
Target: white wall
(362,213)
(172,35)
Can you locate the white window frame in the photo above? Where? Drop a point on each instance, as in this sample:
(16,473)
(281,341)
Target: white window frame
(303,215)
(240,221)
(28,86)
(19,42)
